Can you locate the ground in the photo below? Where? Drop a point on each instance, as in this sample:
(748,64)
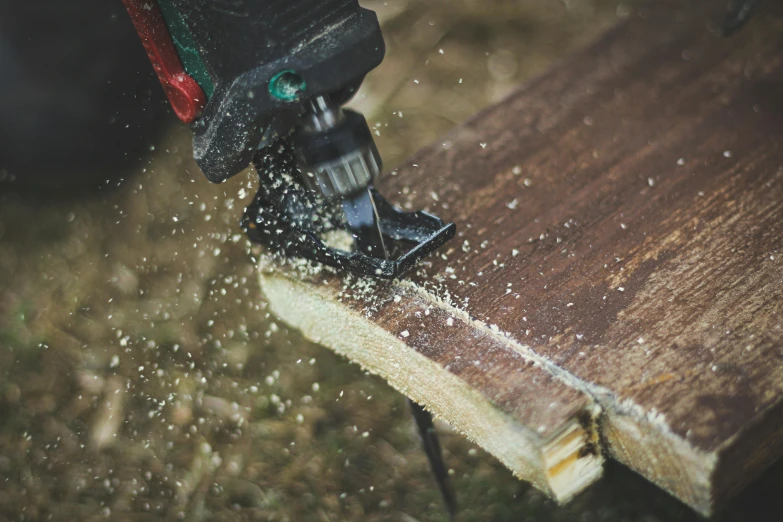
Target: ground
(142,378)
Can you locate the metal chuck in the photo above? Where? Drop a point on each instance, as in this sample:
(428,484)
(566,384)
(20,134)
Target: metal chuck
(338,159)
(335,151)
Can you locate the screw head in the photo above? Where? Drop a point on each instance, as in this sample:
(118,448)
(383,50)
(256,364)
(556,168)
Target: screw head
(287,86)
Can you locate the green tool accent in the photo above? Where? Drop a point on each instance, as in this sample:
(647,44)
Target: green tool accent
(186,48)
(287,85)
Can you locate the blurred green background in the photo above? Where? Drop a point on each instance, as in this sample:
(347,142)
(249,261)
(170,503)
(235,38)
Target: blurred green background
(142,378)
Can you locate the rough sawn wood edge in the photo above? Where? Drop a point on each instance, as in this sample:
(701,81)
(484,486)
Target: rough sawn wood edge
(560,464)
(563,462)
(702,480)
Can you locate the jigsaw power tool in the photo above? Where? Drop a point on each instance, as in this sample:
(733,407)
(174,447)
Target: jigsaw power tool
(265,81)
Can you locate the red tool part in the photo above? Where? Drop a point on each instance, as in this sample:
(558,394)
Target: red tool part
(184,93)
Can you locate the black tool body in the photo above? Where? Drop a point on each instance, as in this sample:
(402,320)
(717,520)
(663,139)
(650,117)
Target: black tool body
(325,46)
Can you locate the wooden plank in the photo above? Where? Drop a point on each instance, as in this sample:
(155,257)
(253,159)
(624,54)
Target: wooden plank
(621,222)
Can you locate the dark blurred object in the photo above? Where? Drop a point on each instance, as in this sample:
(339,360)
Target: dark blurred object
(739,12)
(79,102)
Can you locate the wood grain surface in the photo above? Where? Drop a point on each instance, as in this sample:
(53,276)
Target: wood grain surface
(621,222)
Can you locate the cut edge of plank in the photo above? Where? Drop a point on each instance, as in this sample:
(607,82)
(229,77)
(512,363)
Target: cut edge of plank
(685,471)
(562,465)
(638,438)
(663,458)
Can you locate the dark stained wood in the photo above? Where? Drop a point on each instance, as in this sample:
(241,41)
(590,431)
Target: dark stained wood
(621,223)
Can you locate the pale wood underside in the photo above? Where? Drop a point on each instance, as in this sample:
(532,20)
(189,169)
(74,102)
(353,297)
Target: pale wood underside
(562,464)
